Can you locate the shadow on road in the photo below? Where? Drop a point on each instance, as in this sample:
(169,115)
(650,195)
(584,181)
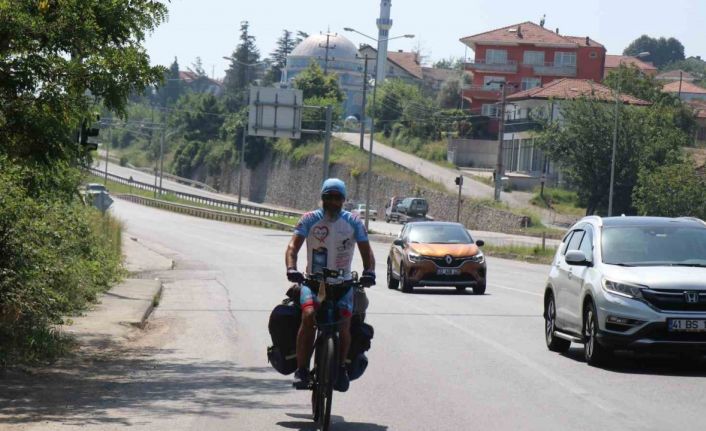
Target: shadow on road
(117,388)
(649,363)
(445,291)
(337,424)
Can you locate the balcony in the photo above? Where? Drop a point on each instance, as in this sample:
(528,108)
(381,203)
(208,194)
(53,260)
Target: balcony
(521,125)
(480,65)
(552,69)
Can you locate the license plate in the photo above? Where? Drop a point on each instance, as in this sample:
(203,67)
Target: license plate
(686,325)
(448,271)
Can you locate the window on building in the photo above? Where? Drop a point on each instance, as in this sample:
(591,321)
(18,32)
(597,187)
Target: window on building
(701,134)
(488,109)
(496,56)
(535,58)
(528,83)
(490,85)
(565,58)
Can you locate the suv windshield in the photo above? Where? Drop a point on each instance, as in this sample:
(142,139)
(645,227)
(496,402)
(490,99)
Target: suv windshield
(654,246)
(440,234)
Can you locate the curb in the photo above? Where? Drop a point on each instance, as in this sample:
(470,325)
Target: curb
(155,303)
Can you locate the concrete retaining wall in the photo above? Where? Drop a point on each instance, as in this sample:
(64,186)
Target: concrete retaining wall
(287,183)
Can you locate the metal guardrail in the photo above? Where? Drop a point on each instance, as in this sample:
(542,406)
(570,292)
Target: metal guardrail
(228,205)
(224,216)
(180,180)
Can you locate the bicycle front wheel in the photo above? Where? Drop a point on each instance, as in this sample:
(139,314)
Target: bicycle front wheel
(327,375)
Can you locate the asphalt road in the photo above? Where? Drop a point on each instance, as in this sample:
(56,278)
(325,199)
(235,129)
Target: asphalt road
(439,361)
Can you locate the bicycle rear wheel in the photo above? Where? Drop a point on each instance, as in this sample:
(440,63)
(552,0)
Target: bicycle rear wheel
(327,375)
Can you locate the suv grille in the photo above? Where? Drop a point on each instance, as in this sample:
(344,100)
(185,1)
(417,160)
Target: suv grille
(441,262)
(674,300)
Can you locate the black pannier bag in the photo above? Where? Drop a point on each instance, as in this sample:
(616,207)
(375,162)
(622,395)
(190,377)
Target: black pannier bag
(284,325)
(361,336)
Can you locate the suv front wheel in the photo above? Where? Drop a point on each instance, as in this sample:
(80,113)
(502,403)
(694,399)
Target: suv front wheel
(594,352)
(554,343)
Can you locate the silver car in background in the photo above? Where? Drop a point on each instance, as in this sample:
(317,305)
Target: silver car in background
(628,283)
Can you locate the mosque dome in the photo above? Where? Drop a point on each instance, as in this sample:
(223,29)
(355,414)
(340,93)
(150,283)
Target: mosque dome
(340,48)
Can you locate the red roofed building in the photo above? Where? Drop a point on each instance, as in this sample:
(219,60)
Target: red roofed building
(527,55)
(613,62)
(685,90)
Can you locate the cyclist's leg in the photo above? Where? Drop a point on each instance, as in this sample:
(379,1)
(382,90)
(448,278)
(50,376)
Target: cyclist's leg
(345,310)
(305,337)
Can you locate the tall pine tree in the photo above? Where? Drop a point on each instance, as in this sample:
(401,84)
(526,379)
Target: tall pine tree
(242,70)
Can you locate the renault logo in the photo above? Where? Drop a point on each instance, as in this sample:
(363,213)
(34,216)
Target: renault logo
(448,259)
(691,297)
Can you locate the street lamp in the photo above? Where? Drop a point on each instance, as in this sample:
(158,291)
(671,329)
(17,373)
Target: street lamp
(615,138)
(372,120)
(241,161)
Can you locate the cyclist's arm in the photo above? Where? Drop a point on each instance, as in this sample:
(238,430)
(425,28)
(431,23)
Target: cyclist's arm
(366,253)
(295,244)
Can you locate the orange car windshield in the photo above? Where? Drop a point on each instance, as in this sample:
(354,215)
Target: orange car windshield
(439,235)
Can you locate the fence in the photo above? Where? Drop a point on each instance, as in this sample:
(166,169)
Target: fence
(228,205)
(206,213)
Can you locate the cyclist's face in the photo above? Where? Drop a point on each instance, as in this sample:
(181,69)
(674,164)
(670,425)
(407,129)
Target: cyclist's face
(332,203)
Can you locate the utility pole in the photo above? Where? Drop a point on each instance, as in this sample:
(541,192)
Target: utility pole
(107,154)
(615,145)
(241,163)
(501,132)
(161,158)
(327,140)
(362,112)
(459,182)
(370,160)
(327,47)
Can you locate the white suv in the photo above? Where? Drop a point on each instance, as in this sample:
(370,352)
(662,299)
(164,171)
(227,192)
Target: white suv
(628,283)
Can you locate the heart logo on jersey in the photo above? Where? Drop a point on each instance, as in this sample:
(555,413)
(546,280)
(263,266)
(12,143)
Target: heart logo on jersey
(320,233)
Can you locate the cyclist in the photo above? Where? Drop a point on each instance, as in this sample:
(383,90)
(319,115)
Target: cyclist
(330,234)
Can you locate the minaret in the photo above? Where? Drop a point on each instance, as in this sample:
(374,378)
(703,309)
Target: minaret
(384,24)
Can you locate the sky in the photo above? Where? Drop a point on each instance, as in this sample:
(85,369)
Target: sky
(210,28)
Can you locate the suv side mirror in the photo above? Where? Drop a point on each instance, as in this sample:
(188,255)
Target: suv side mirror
(577,257)
(398,242)
(480,243)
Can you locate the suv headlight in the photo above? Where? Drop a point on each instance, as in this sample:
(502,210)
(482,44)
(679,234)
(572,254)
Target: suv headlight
(626,290)
(478,258)
(415,257)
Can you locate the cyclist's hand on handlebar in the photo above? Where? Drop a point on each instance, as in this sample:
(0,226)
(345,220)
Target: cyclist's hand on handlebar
(367,279)
(294,276)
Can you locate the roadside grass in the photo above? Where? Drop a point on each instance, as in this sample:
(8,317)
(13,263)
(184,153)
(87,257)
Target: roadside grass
(355,159)
(525,253)
(560,200)
(433,151)
(115,187)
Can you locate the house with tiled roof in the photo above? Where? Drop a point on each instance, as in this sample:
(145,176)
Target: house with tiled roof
(526,56)
(685,90)
(200,84)
(676,75)
(699,108)
(613,62)
(400,64)
(524,161)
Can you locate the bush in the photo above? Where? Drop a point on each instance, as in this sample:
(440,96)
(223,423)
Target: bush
(57,256)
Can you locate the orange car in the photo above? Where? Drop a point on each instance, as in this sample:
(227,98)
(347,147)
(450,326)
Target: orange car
(436,254)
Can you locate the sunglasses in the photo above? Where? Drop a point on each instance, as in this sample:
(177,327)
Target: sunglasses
(332,197)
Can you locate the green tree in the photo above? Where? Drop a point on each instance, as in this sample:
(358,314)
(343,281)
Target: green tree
(581,142)
(392,98)
(630,80)
(278,57)
(671,191)
(315,84)
(242,70)
(54,53)
(172,89)
(319,90)
(662,50)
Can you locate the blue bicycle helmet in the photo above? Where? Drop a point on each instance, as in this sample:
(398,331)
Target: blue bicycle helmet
(334,185)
